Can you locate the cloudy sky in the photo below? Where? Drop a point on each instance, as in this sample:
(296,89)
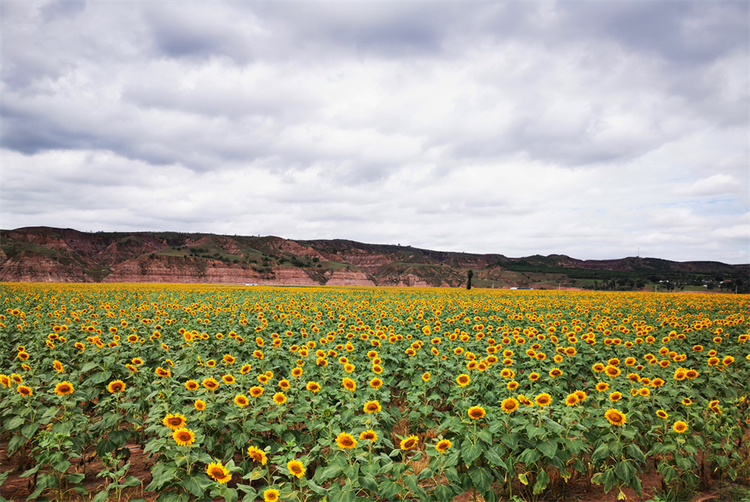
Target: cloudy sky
(593,129)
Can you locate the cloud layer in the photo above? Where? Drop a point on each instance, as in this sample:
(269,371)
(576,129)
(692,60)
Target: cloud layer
(598,130)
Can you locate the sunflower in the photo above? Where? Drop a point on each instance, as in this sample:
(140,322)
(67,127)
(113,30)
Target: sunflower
(349,384)
(199,404)
(463,380)
(349,368)
(80,346)
(346,441)
(24,356)
(476,412)
(509,405)
(572,399)
(555,372)
(64,388)
(297,372)
(241,400)
(426,376)
(271,495)
(662,414)
(296,468)
(679,427)
(534,376)
(368,435)
(174,422)
(313,386)
(615,417)
(580,395)
(691,374)
(5,380)
(116,386)
(133,368)
(228,379)
(137,361)
(284,384)
(16,377)
(229,359)
(58,366)
(727,360)
(256,391)
(191,385)
(210,384)
(410,442)
(279,398)
(512,385)
(164,373)
(443,445)
(218,472)
(615,396)
(543,399)
(24,390)
(376,383)
(372,407)
(257,455)
(183,436)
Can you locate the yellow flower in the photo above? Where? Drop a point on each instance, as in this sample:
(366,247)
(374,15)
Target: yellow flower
(241,400)
(376,383)
(679,427)
(313,386)
(296,468)
(426,376)
(615,396)
(218,472)
(279,398)
(191,385)
(183,436)
(199,404)
(228,379)
(271,495)
(443,445)
(543,399)
(116,386)
(409,443)
(571,400)
(210,384)
(257,455)
(463,380)
(174,422)
(372,407)
(164,373)
(24,390)
(662,414)
(346,441)
(64,388)
(349,384)
(476,412)
(615,417)
(509,405)
(368,435)
(256,391)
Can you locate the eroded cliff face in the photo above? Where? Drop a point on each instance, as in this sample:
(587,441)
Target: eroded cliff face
(33,267)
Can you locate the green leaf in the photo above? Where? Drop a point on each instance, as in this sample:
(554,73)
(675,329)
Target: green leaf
(485,436)
(470,452)
(600,453)
(493,457)
(510,440)
(548,448)
(389,490)
(635,452)
(542,480)
(328,472)
(28,430)
(369,483)
(14,423)
(624,471)
(443,493)
(481,477)
(99,377)
(609,479)
(529,456)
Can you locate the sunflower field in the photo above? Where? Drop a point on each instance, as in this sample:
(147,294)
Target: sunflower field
(368,394)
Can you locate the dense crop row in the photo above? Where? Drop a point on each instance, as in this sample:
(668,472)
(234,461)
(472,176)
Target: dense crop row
(370,394)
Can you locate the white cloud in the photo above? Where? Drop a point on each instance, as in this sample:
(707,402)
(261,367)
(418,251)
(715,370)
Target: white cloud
(578,128)
(717,184)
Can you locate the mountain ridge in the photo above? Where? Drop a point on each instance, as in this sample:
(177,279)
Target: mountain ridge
(49,254)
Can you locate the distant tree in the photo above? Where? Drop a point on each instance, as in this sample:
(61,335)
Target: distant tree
(470,274)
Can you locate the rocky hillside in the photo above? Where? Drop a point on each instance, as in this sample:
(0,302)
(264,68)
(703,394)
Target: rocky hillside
(43,254)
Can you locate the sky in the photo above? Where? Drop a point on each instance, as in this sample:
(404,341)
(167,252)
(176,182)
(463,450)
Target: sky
(599,130)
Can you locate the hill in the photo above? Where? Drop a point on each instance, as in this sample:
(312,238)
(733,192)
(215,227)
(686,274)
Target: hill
(44,254)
